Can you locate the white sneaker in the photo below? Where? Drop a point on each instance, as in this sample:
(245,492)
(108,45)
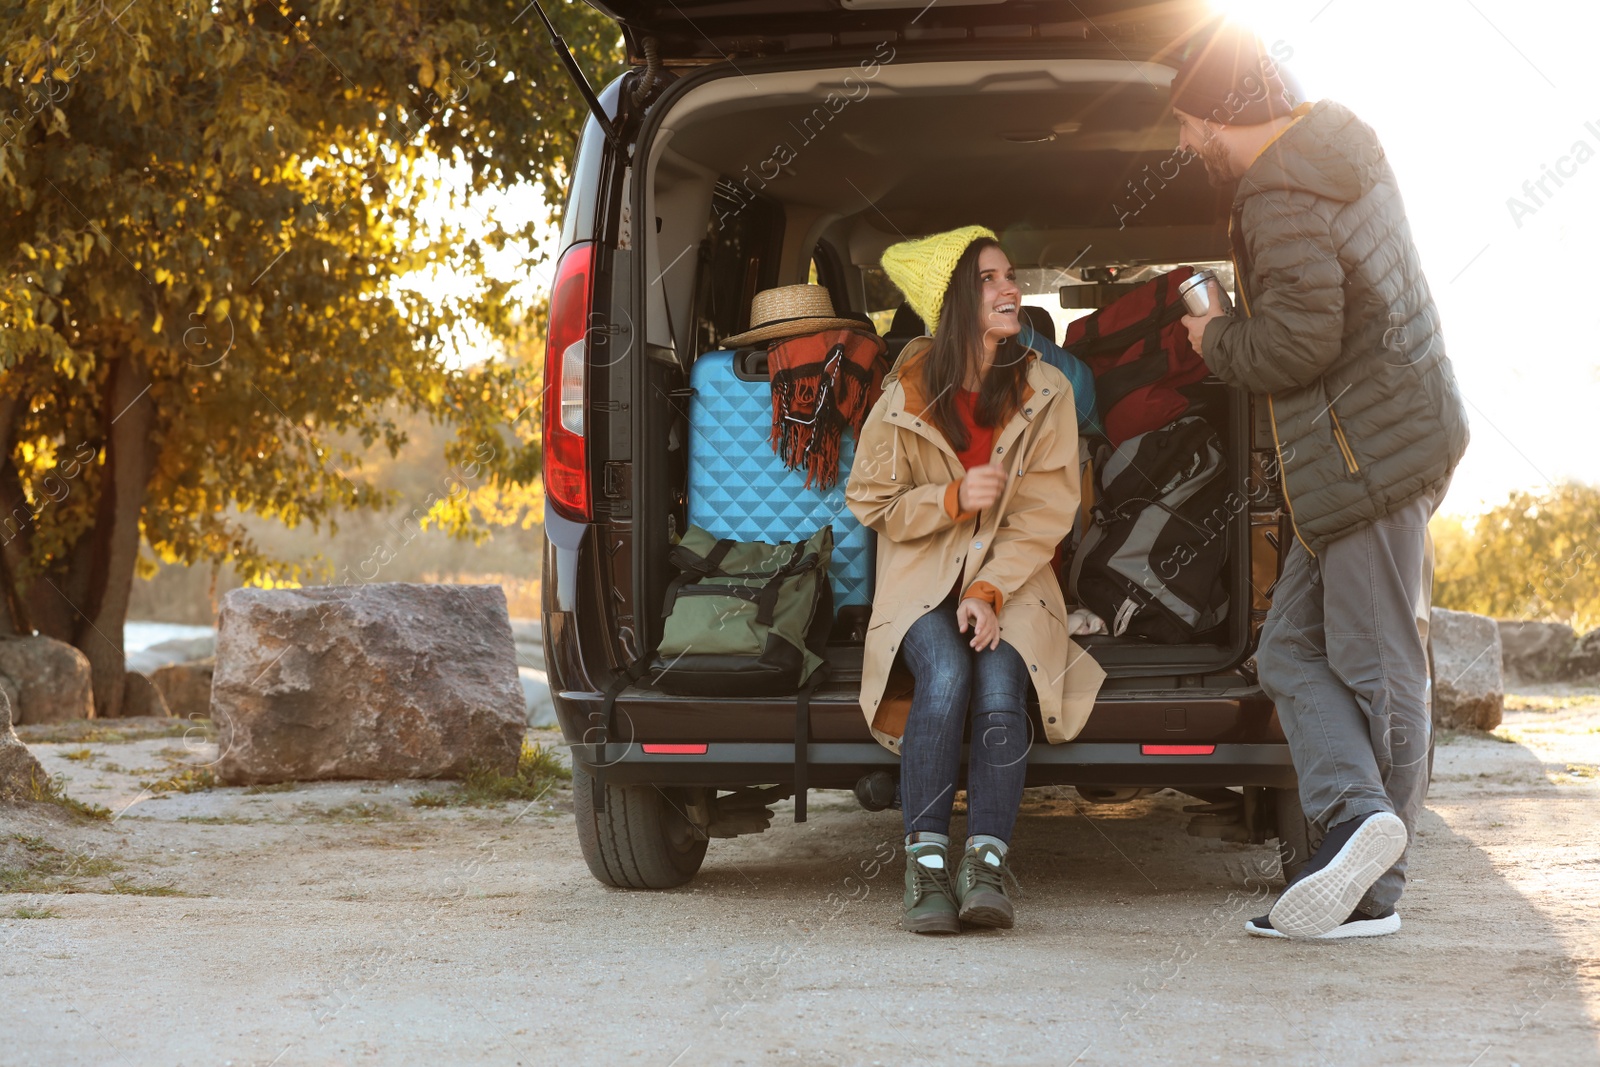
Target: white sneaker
(1359,924)
(1352,856)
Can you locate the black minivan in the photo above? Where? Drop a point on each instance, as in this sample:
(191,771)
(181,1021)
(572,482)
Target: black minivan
(757,143)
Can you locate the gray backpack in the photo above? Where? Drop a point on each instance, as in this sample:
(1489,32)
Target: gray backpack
(1152,564)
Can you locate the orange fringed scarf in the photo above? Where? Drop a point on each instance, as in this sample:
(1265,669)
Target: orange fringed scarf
(821,383)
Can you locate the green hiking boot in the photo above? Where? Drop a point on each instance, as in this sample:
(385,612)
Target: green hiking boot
(981,888)
(930,905)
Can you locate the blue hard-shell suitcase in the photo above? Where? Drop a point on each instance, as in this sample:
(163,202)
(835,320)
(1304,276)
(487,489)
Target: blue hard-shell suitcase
(740,489)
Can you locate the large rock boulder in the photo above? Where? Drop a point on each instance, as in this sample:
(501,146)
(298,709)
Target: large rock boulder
(1468,689)
(186,687)
(1533,652)
(18,768)
(1583,666)
(52,679)
(141,699)
(387,680)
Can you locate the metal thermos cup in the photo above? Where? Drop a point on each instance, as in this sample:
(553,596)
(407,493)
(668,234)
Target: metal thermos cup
(1196,295)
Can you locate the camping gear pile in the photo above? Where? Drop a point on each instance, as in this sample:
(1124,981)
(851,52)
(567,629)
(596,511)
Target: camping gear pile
(772,551)
(773,418)
(772,554)
(1151,560)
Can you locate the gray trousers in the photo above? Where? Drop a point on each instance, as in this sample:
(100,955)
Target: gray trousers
(1343,655)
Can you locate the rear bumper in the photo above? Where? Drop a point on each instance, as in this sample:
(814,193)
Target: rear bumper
(837,765)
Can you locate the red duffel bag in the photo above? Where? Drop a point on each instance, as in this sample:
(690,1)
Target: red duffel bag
(1140,356)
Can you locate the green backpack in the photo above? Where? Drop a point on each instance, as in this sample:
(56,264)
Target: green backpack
(745,618)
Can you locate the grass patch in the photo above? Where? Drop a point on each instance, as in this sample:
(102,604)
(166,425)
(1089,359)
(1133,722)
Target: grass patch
(216,820)
(1583,770)
(193,780)
(95,731)
(128,887)
(22,880)
(539,770)
(33,913)
(54,791)
(354,811)
(79,755)
(274,787)
(52,870)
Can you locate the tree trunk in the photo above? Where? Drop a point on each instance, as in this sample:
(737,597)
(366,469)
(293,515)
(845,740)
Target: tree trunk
(13,537)
(53,599)
(130,457)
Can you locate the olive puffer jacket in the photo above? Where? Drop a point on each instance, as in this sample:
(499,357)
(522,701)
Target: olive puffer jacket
(1342,333)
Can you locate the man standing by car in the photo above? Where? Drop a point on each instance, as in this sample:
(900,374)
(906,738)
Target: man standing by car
(1339,338)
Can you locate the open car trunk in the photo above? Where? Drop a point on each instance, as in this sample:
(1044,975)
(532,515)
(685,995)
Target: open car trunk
(704,31)
(780,172)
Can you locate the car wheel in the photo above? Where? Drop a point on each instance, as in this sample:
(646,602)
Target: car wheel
(1297,837)
(643,840)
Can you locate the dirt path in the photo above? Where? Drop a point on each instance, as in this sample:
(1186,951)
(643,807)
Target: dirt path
(338,924)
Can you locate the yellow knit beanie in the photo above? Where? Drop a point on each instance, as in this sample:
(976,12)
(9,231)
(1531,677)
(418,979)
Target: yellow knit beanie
(921,269)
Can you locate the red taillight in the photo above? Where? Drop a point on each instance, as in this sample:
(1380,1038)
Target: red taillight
(1177,750)
(674,750)
(566,397)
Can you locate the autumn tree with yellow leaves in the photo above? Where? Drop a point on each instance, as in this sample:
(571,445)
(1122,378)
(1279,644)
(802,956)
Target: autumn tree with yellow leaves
(1536,556)
(204,211)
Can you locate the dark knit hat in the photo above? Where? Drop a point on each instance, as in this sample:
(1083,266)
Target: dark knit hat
(1229,78)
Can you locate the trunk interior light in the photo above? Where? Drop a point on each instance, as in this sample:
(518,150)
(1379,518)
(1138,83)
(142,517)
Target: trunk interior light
(674,750)
(1177,750)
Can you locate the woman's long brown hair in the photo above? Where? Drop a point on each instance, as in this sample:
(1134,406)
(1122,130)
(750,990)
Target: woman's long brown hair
(958,344)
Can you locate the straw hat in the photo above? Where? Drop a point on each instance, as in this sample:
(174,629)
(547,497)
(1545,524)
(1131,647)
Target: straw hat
(792,310)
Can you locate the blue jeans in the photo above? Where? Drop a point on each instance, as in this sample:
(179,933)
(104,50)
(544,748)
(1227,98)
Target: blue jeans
(954,681)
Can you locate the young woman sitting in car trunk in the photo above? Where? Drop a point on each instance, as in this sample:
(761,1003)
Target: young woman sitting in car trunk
(967,469)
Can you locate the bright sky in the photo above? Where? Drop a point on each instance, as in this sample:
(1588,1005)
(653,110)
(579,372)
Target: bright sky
(516,206)
(1472,98)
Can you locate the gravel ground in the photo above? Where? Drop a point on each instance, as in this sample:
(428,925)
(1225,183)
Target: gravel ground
(338,924)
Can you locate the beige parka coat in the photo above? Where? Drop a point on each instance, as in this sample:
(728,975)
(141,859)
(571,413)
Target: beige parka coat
(903,486)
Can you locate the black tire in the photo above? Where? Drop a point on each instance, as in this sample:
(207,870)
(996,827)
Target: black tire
(1297,837)
(643,840)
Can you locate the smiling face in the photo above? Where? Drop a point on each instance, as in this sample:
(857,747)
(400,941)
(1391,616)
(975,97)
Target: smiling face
(999,299)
